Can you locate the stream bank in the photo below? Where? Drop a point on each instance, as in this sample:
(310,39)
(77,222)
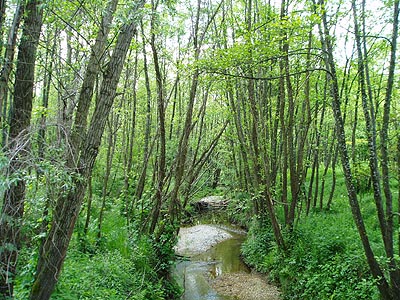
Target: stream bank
(211,268)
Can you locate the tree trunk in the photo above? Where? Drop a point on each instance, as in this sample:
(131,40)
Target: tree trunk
(88,209)
(111,139)
(159,196)
(129,133)
(19,147)
(146,152)
(7,68)
(67,208)
(394,268)
(86,92)
(376,270)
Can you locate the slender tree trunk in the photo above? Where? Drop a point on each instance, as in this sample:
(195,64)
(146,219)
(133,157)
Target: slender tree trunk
(333,185)
(289,141)
(354,131)
(146,152)
(284,141)
(88,208)
(394,268)
(327,163)
(398,188)
(19,147)
(376,270)
(7,68)
(159,197)
(129,136)
(2,15)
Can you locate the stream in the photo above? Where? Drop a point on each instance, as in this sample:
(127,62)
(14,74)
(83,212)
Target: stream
(197,272)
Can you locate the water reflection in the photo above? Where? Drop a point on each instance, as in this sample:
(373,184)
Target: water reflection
(196,274)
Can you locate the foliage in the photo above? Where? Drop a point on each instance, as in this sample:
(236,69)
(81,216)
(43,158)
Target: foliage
(105,275)
(164,259)
(122,266)
(275,105)
(325,259)
(240,209)
(258,249)
(110,275)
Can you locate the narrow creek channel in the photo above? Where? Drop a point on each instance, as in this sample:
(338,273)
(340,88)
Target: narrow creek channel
(197,271)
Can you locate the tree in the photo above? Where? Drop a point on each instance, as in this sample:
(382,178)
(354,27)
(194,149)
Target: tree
(7,68)
(18,147)
(67,207)
(387,291)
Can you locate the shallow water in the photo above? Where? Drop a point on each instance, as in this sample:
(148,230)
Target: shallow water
(196,274)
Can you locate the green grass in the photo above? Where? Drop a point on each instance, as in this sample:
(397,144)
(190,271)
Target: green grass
(125,265)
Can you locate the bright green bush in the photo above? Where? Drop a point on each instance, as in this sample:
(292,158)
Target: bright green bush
(240,208)
(258,249)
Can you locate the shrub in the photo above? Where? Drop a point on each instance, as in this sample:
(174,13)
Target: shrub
(258,248)
(240,208)
(108,275)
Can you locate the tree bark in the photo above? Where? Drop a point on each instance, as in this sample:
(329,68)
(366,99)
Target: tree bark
(86,91)
(394,269)
(7,68)
(146,152)
(159,196)
(19,147)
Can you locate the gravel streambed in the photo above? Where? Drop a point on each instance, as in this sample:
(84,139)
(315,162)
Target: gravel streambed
(198,239)
(194,242)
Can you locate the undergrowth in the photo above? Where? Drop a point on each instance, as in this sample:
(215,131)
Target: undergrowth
(324,260)
(125,266)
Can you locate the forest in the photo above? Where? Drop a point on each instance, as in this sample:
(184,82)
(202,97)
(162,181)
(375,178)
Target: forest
(116,115)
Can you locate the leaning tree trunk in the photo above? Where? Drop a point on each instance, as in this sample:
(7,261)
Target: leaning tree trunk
(67,208)
(385,218)
(18,147)
(159,196)
(394,268)
(86,92)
